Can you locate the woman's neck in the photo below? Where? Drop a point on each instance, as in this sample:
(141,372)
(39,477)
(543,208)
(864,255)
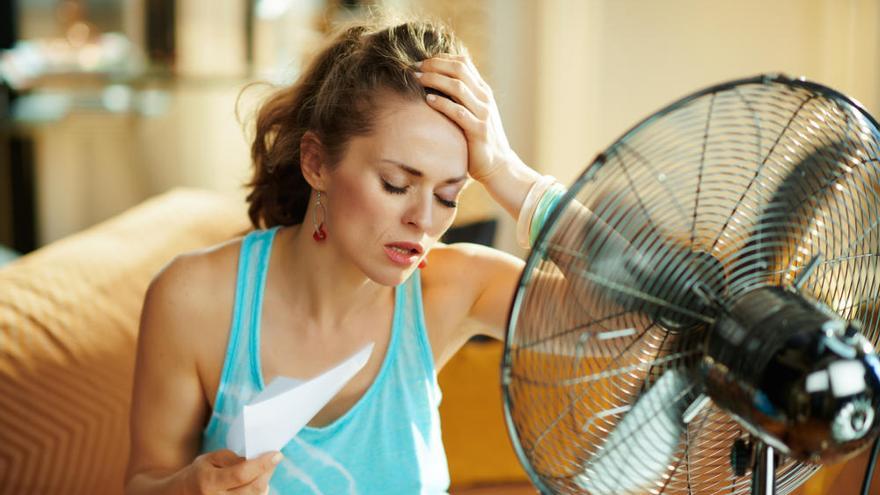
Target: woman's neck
(321,282)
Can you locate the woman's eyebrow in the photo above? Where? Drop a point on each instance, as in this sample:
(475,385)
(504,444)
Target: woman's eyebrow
(418,173)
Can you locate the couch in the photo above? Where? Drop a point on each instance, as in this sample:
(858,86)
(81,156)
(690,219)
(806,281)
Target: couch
(68,330)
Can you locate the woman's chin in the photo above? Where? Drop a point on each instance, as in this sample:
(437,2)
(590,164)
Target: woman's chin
(391,276)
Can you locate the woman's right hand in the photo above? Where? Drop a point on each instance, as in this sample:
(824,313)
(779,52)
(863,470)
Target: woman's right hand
(223,471)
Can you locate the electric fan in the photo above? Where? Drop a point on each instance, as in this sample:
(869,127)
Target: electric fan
(698,313)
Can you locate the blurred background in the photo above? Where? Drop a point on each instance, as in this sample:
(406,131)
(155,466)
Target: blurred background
(105,103)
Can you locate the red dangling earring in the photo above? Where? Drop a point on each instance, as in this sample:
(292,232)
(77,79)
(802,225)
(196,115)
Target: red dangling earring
(320,234)
(423,264)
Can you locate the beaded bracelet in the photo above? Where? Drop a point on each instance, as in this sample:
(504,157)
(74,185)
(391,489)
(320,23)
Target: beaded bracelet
(546,206)
(540,201)
(527,211)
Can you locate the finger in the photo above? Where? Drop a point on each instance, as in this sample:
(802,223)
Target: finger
(456,89)
(470,66)
(458,113)
(459,66)
(458,69)
(259,486)
(223,458)
(470,63)
(249,470)
(475,73)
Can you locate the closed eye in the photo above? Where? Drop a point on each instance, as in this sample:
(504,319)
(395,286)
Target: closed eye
(402,190)
(447,203)
(393,189)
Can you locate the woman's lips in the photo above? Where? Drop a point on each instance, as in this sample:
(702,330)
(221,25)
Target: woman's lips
(401,256)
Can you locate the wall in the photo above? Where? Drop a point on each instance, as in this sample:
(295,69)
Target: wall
(603,66)
(569,77)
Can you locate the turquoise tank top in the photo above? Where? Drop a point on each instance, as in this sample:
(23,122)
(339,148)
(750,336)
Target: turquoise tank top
(388,442)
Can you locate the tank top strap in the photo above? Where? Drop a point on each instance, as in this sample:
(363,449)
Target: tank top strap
(414,321)
(239,378)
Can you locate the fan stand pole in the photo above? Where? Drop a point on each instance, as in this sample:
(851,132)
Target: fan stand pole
(764,470)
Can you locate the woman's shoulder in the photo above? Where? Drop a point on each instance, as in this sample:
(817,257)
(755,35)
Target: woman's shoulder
(202,268)
(195,286)
(188,301)
(455,278)
(463,271)
(466,261)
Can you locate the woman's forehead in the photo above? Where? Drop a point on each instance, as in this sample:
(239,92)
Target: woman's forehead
(412,133)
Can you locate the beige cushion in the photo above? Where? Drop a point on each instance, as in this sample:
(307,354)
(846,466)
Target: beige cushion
(68,329)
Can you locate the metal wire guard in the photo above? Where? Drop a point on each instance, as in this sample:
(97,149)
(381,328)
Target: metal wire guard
(698,176)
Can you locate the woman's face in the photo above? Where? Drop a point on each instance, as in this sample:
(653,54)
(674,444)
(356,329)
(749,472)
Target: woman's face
(394,193)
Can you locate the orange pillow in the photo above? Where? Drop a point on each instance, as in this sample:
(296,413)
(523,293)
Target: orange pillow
(68,329)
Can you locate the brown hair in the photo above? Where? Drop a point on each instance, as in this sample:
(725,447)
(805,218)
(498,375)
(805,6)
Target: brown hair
(335,99)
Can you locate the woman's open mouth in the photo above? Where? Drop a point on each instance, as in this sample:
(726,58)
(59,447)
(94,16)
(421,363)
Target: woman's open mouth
(403,253)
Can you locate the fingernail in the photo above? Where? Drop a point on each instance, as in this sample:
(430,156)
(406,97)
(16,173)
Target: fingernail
(432,97)
(277,458)
(418,74)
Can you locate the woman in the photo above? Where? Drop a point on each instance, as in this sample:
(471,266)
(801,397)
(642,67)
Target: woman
(358,169)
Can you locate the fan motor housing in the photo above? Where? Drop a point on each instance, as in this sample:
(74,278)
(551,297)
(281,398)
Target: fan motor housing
(794,374)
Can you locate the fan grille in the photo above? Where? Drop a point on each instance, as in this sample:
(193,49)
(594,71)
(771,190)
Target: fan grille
(702,173)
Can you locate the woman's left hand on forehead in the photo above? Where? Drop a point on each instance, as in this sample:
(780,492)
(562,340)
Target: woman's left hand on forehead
(474,110)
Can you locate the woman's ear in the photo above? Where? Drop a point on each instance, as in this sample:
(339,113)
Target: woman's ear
(312,160)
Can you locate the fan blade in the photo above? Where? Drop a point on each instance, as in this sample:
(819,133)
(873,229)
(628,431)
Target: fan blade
(646,272)
(794,202)
(643,446)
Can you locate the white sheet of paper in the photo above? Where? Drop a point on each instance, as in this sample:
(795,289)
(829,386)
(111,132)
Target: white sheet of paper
(281,410)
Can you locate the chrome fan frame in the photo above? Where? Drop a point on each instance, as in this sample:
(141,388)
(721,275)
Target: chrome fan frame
(789,479)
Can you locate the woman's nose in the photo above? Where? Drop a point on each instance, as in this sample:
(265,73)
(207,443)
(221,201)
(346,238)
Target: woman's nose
(420,213)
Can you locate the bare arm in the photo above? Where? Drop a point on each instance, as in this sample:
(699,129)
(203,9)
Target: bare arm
(168,406)
(474,281)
